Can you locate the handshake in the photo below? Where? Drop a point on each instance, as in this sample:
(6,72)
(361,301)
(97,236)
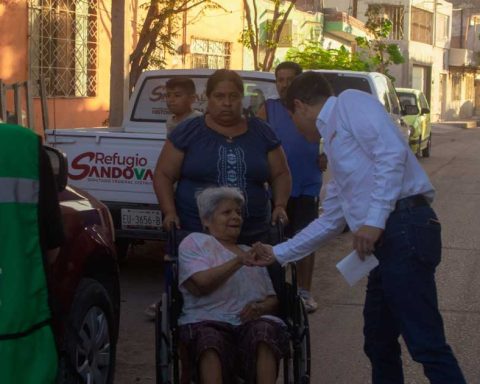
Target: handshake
(260,255)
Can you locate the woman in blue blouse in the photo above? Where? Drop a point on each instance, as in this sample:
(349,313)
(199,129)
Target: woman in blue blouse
(223,148)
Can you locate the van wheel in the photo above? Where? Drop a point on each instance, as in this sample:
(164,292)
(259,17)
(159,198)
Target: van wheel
(427,150)
(89,345)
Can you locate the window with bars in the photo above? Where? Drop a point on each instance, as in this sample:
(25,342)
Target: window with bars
(422,26)
(210,54)
(394,13)
(63,37)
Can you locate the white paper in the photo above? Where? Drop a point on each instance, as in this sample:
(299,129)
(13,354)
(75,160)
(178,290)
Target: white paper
(353,268)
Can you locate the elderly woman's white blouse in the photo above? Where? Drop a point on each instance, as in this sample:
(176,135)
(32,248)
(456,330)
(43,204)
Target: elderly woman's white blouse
(200,252)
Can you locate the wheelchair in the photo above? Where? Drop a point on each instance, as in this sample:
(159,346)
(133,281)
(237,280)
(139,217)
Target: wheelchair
(296,364)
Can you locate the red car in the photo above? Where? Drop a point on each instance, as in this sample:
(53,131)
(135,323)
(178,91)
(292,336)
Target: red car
(85,288)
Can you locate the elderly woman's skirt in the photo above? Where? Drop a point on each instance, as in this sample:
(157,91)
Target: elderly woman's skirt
(236,345)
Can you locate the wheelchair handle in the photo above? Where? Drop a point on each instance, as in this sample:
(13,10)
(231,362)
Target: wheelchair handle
(280,227)
(172,240)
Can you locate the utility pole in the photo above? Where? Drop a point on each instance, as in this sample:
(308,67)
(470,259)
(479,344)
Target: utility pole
(119,66)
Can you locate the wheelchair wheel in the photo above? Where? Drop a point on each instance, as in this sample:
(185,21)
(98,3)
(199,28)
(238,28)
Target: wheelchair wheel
(163,343)
(301,347)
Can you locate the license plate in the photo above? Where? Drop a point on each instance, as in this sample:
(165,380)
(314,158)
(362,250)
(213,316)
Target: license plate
(141,219)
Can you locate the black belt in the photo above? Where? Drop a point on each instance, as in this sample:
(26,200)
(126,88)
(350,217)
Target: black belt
(411,202)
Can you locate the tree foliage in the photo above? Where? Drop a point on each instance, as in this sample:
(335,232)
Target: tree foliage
(377,52)
(158,31)
(264,43)
(312,55)
(373,53)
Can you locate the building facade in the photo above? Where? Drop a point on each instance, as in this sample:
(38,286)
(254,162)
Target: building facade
(464,57)
(439,42)
(81,48)
(59,41)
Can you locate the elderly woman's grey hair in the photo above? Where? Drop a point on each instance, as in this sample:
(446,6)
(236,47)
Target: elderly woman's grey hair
(209,199)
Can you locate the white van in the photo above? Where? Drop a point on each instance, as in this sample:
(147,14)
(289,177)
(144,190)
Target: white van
(374,83)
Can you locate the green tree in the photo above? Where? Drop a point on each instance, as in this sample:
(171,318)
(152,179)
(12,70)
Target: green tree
(376,51)
(158,32)
(312,55)
(264,42)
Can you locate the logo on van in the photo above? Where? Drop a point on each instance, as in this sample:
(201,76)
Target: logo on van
(98,166)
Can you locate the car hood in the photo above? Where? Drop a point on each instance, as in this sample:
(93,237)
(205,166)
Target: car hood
(73,195)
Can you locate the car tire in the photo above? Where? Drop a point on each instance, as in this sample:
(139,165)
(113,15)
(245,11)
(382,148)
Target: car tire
(428,148)
(419,148)
(89,345)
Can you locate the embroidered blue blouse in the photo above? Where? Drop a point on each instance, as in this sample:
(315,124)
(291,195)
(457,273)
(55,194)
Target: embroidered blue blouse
(211,159)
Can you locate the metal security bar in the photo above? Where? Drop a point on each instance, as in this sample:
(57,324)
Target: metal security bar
(63,40)
(210,54)
(16,116)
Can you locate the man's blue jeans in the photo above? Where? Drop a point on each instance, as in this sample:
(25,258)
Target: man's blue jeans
(402,300)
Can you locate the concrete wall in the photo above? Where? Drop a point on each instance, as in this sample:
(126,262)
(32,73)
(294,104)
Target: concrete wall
(218,25)
(301,27)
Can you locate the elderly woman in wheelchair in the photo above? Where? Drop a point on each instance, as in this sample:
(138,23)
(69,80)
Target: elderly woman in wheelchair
(228,324)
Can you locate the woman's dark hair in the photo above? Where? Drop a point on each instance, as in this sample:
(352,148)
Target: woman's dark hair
(310,88)
(224,75)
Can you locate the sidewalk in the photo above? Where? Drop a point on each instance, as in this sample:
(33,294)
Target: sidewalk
(473,122)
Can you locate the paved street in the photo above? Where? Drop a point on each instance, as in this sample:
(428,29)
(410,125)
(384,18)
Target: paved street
(336,328)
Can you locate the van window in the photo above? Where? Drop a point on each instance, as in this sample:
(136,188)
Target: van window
(382,90)
(256,92)
(423,101)
(340,82)
(394,102)
(150,105)
(407,98)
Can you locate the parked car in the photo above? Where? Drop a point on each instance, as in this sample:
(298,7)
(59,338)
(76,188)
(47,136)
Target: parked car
(84,285)
(374,83)
(418,119)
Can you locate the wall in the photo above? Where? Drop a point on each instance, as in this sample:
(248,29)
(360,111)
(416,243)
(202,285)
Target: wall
(302,23)
(63,112)
(464,106)
(218,25)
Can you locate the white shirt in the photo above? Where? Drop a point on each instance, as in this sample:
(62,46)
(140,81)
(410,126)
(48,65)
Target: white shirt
(171,124)
(371,166)
(200,252)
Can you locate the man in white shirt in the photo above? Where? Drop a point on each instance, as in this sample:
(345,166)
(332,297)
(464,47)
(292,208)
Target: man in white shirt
(380,190)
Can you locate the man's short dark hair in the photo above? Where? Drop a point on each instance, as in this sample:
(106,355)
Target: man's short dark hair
(182,82)
(289,65)
(310,88)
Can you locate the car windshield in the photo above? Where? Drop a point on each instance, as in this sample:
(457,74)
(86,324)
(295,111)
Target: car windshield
(341,82)
(407,98)
(150,105)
